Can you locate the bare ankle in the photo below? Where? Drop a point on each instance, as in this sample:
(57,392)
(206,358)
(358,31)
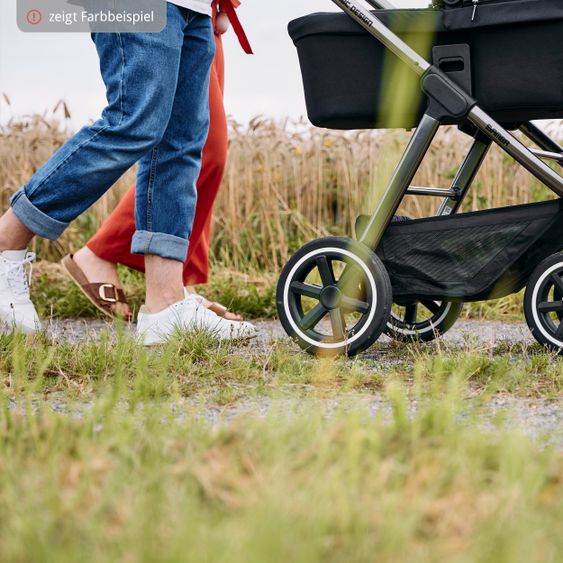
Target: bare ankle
(14,235)
(164,283)
(4,246)
(158,303)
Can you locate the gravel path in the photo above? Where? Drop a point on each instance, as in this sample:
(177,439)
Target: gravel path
(540,419)
(465,333)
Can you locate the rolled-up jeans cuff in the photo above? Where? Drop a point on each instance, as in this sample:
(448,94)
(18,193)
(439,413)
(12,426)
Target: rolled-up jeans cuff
(34,219)
(160,244)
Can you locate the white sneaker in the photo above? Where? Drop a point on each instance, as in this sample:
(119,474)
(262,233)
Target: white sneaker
(189,314)
(17,312)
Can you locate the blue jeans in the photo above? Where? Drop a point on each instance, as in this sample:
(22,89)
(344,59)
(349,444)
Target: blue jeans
(157,114)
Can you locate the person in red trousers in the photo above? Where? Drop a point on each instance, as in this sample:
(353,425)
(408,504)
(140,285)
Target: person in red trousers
(94,267)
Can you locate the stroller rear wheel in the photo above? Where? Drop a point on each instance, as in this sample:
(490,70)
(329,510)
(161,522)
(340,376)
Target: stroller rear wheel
(423,320)
(334,297)
(543,303)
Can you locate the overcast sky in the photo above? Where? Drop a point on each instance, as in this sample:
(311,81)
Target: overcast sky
(37,70)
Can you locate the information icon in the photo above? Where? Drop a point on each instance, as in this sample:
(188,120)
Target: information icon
(34,17)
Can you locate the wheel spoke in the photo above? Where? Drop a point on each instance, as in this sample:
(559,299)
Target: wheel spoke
(550,307)
(411,313)
(352,304)
(338,323)
(557,281)
(433,306)
(313,317)
(351,276)
(325,269)
(306,289)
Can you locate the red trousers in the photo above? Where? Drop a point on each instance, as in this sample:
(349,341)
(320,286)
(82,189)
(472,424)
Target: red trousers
(113,240)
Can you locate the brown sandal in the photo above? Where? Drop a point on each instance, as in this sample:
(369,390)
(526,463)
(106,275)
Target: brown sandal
(102,295)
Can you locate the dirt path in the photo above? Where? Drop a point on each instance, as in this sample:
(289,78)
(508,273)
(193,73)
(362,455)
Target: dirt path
(465,333)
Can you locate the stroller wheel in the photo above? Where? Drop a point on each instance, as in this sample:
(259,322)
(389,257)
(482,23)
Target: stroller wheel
(423,320)
(543,303)
(334,297)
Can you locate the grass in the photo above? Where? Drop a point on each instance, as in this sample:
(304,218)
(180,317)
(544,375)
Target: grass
(516,370)
(106,454)
(137,474)
(197,366)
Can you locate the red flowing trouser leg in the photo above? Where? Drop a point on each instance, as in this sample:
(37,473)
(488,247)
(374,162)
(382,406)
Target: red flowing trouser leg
(112,242)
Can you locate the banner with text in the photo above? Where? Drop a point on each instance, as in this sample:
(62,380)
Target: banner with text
(91,16)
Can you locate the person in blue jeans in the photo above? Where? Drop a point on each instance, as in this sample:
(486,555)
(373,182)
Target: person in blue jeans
(157,115)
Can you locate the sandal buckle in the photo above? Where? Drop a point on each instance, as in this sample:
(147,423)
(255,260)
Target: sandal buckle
(103,293)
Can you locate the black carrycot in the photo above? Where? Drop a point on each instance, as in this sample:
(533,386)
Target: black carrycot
(508,53)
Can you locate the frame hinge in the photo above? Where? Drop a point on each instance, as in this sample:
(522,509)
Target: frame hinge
(447,101)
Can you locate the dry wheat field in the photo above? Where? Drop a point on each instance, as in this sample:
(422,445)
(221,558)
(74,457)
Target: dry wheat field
(286,183)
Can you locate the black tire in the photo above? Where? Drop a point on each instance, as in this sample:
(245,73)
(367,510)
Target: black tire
(423,320)
(543,303)
(357,299)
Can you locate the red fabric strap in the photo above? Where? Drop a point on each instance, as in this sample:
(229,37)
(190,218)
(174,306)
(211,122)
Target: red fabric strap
(227,7)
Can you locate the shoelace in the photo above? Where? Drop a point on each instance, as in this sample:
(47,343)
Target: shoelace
(18,279)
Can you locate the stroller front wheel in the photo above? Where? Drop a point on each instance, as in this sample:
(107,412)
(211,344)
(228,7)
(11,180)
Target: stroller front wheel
(543,303)
(334,297)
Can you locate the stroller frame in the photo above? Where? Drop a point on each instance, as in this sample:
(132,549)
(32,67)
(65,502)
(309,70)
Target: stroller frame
(439,84)
(364,286)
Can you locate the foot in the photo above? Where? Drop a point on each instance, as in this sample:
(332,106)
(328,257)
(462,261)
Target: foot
(17,312)
(217,308)
(188,315)
(98,270)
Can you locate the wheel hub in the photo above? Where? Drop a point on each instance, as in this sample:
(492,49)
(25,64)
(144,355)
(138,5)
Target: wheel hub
(331,297)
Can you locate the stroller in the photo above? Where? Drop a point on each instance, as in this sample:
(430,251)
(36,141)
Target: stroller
(489,67)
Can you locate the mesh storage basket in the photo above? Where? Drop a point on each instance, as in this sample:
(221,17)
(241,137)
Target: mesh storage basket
(471,256)
(515,57)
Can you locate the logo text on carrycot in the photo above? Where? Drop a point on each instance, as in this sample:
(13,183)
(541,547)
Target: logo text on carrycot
(358,13)
(498,136)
